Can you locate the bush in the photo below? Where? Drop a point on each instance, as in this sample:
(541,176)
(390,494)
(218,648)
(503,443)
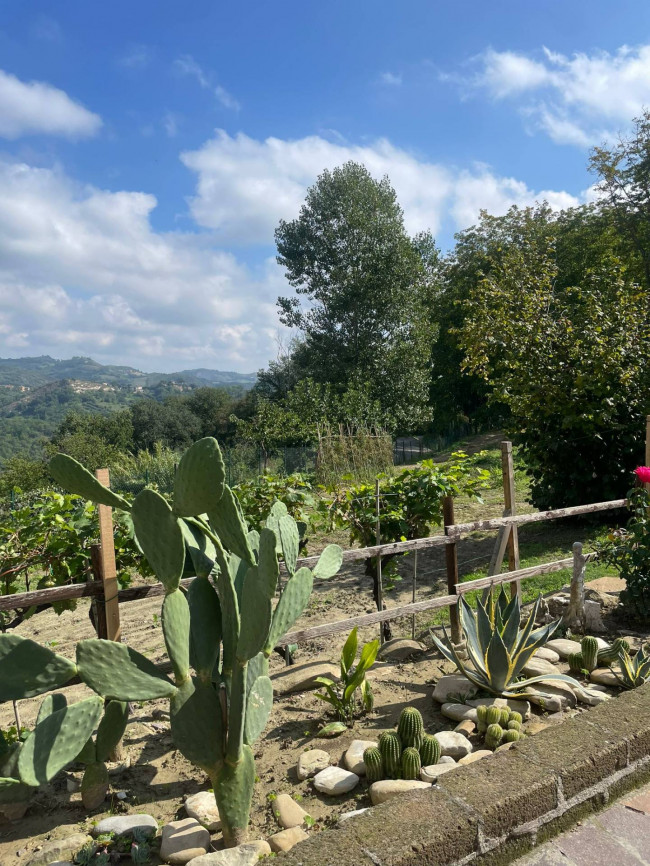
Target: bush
(258,496)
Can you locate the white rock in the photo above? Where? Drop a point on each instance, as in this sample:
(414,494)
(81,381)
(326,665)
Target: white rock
(347,815)
(538,667)
(433,771)
(302,678)
(312,762)
(286,839)
(563,647)
(604,677)
(592,696)
(125,825)
(547,654)
(335,780)
(354,755)
(453,744)
(517,706)
(182,841)
(287,812)
(247,854)
(459,712)
(203,808)
(446,759)
(388,788)
(602,644)
(475,756)
(399,648)
(453,685)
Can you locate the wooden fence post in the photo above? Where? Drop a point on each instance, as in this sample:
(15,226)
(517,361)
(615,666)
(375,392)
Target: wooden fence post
(380,588)
(97,606)
(107,564)
(451,557)
(510,505)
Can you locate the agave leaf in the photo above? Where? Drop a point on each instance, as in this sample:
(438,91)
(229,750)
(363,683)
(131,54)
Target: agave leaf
(511,618)
(525,634)
(477,678)
(484,628)
(514,690)
(469,627)
(498,663)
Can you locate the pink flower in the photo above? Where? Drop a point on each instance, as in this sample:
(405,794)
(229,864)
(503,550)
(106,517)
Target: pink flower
(643,474)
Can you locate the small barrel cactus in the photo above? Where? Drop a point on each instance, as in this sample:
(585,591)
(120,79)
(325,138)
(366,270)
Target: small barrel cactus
(429,750)
(511,736)
(493,715)
(493,736)
(576,662)
(589,646)
(390,747)
(374,764)
(515,717)
(505,717)
(610,654)
(411,727)
(481,715)
(514,725)
(411,763)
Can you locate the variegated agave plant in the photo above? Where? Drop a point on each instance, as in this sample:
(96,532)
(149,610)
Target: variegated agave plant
(498,648)
(633,671)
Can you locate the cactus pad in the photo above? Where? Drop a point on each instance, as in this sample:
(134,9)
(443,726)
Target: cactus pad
(56,741)
(267,561)
(205,626)
(200,477)
(75,478)
(197,724)
(289,540)
(94,785)
(228,522)
(111,728)
(233,787)
(50,704)
(374,764)
(113,670)
(292,602)
(329,562)
(200,548)
(28,669)
(176,630)
(255,611)
(259,701)
(160,537)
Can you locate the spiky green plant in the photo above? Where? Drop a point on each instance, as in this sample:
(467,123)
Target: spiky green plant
(429,750)
(498,649)
(633,671)
(576,662)
(374,764)
(390,746)
(481,715)
(608,655)
(411,727)
(504,717)
(493,715)
(511,736)
(411,763)
(589,652)
(219,634)
(514,725)
(515,717)
(493,736)
(342,695)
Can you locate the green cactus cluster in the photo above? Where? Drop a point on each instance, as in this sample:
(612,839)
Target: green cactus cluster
(589,653)
(611,654)
(499,725)
(402,753)
(576,662)
(218,634)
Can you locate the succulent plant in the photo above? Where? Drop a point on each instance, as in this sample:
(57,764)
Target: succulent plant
(411,764)
(608,655)
(633,671)
(481,715)
(498,648)
(410,727)
(374,764)
(514,725)
(493,736)
(515,717)
(589,651)
(219,634)
(504,717)
(493,716)
(429,750)
(390,747)
(511,736)
(576,662)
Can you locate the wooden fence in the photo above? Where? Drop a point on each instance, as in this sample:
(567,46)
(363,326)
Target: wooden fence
(106,596)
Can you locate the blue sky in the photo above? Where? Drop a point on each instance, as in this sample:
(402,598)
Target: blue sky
(149,148)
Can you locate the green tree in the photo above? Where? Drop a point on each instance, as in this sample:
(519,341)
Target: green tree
(569,362)
(366,285)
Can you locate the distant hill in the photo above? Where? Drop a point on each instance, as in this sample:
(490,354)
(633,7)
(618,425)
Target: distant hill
(37,393)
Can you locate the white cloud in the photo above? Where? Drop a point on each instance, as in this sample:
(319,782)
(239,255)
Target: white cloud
(35,107)
(245,186)
(136,57)
(391,79)
(575,100)
(186,65)
(82,271)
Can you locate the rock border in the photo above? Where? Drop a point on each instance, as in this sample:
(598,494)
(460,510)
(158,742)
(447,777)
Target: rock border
(494,810)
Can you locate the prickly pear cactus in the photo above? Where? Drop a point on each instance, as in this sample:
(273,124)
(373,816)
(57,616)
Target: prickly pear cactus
(374,764)
(411,727)
(218,635)
(429,750)
(589,648)
(390,747)
(410,763)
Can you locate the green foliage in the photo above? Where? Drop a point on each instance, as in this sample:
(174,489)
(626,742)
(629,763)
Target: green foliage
(482,718)
(576,662)
(589,653)
(366,287)
(390,747)
(569,361)
(610,654)
(493,736)
(429,750)
(47,542)
(633,671)
(257,497)
(410,763)
(628,551)
(411,727)
(217,714)
(374,764)
(498,648)
(342,695)
(352,454)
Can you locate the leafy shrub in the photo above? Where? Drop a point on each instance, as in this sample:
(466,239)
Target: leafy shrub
(257,497)
(342,695)
(628,550)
